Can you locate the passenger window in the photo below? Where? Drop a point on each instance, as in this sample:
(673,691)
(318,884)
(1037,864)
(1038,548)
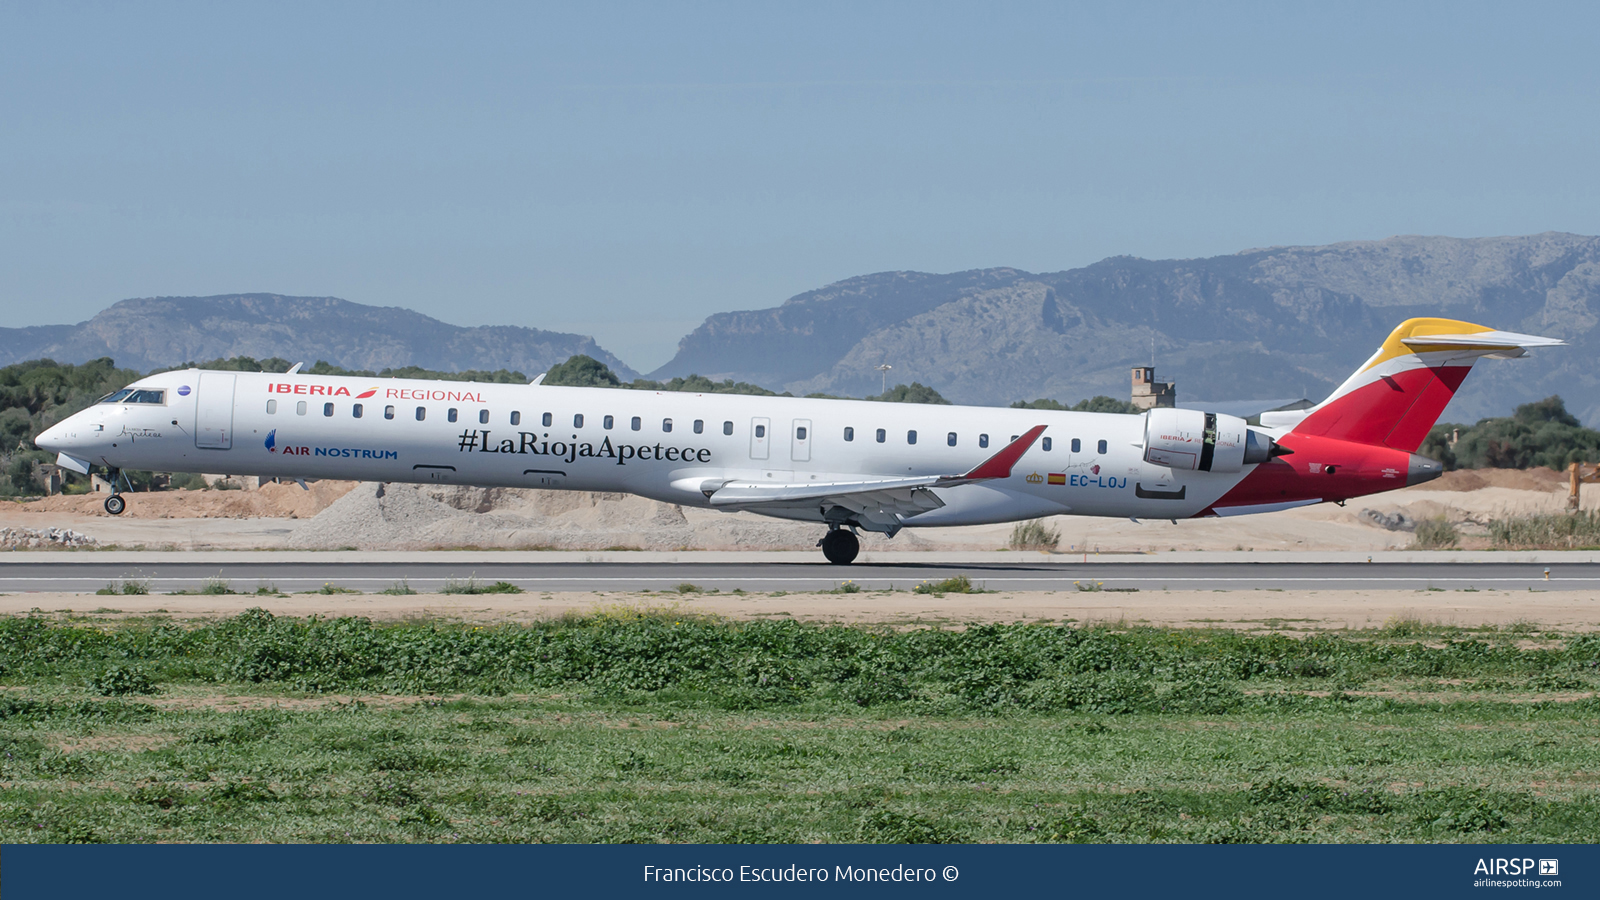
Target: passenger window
(450,414)
(761,431)
(699,426)
(388,412)
(950,439)
(636,424)
(983,440)
(1047,444)
(1014,438)
(911,437)
(1077,446)
(300,408)
(272,407)
(1102,446)
(483,417)
(327,409)
(516,417)
(799,434)
(547,420)
(882,435)
(422,413)
(849,433)
(607,422)
(577,420)
(355,411)
(727,428)
(666,425)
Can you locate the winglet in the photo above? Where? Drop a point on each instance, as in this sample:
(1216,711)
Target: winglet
(999,465)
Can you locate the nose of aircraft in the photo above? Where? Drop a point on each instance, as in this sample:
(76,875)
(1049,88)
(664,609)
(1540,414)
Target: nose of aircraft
(53,439)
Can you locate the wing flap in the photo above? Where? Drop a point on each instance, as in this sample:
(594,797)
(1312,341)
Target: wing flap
(744,493)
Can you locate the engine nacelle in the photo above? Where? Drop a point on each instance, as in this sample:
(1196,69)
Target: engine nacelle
(1191,440)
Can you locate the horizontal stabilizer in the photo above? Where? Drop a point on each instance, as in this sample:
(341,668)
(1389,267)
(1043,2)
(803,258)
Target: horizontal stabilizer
(1506,339)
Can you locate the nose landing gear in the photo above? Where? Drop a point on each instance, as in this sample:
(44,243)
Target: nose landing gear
(114,503)
(840,546)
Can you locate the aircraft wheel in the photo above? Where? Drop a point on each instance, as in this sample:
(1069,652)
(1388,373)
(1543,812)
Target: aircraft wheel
(840,547)
(115,504)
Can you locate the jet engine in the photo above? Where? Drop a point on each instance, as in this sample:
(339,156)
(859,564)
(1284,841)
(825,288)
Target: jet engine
(1191,440)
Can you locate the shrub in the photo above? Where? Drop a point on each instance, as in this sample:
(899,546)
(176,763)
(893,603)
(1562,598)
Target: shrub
(875,688)
(126,586)
(119,680)
(1034,535)
(1548,531)
(1463,810)
(1203,695)
(217,585)
(187,481)
(472,586)
(885,826)
(1435,534)
(959,584)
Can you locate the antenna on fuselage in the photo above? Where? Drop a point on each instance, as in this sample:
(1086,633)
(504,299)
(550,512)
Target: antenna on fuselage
(538,378)
(294,368)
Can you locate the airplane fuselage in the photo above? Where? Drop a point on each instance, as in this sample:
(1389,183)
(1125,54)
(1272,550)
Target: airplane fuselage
(672,446)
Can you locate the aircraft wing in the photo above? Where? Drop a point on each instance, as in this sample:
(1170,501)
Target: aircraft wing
(874,499)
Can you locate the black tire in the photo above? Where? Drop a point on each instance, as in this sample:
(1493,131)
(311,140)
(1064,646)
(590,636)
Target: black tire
(841,547)
(115,504)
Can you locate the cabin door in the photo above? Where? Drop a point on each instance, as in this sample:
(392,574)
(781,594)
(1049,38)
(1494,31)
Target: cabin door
(760,438)
(213,411)
(800,442)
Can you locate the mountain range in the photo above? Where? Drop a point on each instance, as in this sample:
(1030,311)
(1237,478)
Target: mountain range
(1275,322)
(158,332)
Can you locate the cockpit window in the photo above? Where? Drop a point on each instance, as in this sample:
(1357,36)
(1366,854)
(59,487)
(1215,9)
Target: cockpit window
(137,395)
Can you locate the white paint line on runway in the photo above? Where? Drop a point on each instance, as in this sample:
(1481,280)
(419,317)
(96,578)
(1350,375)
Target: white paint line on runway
(1060,579)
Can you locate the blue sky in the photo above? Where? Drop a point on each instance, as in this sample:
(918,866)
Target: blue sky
(626,170)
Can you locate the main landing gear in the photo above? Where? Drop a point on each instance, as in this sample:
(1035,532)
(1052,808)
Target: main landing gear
(840,546)
(114,503)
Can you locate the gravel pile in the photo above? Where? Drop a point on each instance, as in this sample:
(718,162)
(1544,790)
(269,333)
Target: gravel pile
(416,517)
(42,538)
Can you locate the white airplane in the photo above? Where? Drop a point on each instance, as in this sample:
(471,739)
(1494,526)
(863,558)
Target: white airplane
(847,464)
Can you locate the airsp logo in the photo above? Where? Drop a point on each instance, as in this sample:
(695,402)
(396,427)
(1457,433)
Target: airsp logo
(1512,867)
(1549,867)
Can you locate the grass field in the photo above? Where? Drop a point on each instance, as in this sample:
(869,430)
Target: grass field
(641,728)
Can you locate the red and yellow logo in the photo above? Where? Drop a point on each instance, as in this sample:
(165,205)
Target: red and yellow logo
(366,393)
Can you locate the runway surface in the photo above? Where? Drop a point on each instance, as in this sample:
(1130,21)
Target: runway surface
(85,575)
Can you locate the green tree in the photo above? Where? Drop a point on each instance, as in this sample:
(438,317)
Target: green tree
(915,392)
(582,371)
(1542,433)
(1097,404)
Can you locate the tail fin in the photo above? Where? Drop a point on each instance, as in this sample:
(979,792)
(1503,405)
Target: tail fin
(1394,399)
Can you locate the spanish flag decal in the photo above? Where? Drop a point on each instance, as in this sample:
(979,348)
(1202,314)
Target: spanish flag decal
(1058,478)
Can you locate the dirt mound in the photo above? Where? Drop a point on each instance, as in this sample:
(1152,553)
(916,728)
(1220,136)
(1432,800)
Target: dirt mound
(272,501)
(1535,479)
(415,517)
